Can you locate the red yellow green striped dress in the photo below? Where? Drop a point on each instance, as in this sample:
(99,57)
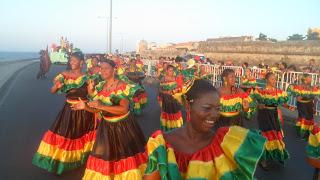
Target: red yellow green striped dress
(118,152)
(205,76)
(231,108)
(140,99)
(313,147)
(232,154)
(249,84)
(171,115)
(67,144)
(305,108)
(270,122)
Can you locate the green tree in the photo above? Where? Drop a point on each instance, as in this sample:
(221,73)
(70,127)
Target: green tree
(296,37)
(272,39)
(262,37)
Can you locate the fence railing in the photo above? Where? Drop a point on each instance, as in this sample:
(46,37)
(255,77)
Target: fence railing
(284,79)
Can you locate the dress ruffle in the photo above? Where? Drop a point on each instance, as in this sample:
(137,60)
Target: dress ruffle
(70,83)
(313,147)
(270,97)
(58,154)
(297,90)
(226,157)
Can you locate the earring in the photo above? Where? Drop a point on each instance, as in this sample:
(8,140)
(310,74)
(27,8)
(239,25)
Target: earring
(188,112)
(188,116)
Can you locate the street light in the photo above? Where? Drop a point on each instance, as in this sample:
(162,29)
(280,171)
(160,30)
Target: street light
(110,30)
(110,27)
(122,39)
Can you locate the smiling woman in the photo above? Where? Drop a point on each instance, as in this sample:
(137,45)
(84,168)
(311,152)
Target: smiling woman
(194,151)
(118,151)
(67,144)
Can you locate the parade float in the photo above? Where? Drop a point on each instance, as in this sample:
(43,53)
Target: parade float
(60,54)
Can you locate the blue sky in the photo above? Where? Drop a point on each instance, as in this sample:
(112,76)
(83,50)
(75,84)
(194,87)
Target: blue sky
(29,25)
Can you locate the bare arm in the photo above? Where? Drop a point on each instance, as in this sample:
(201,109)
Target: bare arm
(90,87)
(90,109)
(122,108)
(288,107)
(57,85)
(81,105)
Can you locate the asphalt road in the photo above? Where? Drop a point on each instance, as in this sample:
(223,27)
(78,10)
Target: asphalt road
(28,110)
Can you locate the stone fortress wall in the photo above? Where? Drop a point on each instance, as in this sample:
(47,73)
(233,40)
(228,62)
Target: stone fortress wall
(254,52)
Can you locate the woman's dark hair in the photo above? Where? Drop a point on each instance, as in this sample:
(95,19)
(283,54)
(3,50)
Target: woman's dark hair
(200,87)
(226,72)
(78,55)
(170,66)
(304,76)
(178,59)
(110,62)
(293,67)
(284,65)
(268,75)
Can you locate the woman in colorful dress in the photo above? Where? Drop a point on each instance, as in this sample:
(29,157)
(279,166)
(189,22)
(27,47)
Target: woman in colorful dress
(313,151)
(93,70)
(171,116)
(161,69)
(194,151)
(118,152)
(234,101)
(134,74)
(270,120)
(190,71)
(306,100)
(94,66)
(203,74)
(67,144)
(248,82)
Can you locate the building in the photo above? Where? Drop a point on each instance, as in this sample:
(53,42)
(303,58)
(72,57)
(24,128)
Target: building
(152,46)
(187,46)
(143,46)
(317,30)
(165,45)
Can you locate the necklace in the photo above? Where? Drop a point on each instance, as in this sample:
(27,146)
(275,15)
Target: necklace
(270,88)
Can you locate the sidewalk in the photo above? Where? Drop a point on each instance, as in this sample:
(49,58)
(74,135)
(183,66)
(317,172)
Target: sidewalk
(7,69)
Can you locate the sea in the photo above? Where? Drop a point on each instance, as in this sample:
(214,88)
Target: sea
(16,56)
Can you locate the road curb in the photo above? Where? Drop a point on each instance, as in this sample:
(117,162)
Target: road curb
(5,88)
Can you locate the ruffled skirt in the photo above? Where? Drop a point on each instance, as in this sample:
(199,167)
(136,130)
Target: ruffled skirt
(269,121)
(305,121)
(118,152)
(171,115)
(67,144)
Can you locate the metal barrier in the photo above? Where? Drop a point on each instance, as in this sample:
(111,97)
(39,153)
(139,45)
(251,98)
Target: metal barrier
(284,79)
(295,77)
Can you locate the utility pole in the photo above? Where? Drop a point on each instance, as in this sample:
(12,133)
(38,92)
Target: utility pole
(110,29)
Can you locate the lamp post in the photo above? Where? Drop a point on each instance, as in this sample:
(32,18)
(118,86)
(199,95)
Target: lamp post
(108,49)
(110,29)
